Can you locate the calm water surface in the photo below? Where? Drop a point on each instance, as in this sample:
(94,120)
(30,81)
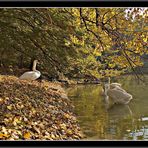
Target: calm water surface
(119,122)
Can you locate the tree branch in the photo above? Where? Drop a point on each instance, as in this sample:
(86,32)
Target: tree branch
(97,36)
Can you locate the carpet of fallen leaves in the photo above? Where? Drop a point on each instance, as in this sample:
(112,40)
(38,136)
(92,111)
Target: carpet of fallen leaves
(35,111)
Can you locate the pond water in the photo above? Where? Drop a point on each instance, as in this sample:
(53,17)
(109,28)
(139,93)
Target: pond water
(119,122)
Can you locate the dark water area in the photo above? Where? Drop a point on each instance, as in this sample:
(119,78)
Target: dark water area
(119,122)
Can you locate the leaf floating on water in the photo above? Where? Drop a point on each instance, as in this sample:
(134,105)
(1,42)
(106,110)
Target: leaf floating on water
(128,130)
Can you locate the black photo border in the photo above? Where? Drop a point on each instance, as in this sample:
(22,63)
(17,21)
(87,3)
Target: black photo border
(73,3)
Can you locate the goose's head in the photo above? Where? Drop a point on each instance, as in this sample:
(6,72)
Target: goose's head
(36,61)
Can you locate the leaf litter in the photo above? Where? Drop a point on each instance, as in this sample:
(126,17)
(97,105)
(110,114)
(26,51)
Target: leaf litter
(36,111)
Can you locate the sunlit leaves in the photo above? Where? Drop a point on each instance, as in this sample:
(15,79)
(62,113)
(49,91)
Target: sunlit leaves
(118,33)
(69,40)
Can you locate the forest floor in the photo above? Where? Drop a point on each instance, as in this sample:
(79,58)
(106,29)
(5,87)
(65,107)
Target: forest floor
(32,110)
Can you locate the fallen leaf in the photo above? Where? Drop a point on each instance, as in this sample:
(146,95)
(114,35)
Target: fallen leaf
(3,135)
(9,107)
(1,101)
(27,135)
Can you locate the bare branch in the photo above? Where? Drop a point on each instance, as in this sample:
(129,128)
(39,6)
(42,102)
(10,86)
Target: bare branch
(97,17)
(97,36)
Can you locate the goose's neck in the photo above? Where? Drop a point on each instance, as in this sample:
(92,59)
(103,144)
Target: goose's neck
(34,66)
(105,91)
(108,80)
(107,87)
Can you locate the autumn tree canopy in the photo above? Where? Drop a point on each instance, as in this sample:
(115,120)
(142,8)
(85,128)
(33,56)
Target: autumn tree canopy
(77,42)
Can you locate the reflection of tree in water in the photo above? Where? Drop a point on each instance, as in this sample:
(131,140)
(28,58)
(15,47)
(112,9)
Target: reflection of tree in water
(90,110)
(120,120)
(118,111)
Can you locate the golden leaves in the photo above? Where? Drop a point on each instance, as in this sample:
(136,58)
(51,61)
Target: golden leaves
(69,132)
(2,136)
(27,135)
(67,116)
(1,100)
(145,40)
(9,107)
(63,126)
(17,120)
(36,111)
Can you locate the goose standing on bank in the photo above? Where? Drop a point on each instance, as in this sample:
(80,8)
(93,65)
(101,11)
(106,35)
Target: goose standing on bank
(117,94)
(31,75)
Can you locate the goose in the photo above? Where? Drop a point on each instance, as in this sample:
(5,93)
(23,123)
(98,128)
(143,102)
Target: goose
(31,75)
(117,94)
(112,85)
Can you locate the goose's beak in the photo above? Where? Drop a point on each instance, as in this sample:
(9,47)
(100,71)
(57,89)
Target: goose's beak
(37,62)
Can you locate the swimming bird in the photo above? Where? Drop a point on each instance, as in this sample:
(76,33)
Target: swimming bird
(111,85)
(31,75)
(117,94)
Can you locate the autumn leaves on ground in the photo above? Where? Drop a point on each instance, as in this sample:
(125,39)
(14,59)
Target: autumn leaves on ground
(35,111)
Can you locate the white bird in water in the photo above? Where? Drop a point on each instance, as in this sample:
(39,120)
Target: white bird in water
(31,75)
(112,85)
(117,94)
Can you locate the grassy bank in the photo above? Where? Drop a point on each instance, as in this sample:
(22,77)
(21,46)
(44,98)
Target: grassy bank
(35,111)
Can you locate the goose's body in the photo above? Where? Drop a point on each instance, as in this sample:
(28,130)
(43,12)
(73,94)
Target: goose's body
(117,94)
(113,85)
(31,75)
(118,88)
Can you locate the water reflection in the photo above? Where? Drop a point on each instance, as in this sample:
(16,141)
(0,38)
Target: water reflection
(126,122)
(118,111)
